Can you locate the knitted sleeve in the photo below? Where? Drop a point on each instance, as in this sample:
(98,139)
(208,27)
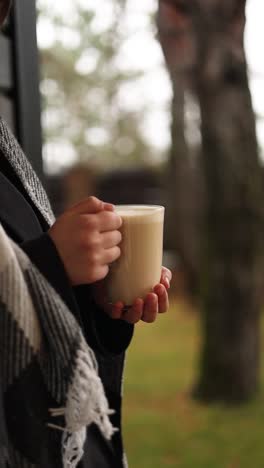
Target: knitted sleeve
(102,333)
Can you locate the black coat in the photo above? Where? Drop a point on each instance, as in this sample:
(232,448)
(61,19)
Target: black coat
(108,338)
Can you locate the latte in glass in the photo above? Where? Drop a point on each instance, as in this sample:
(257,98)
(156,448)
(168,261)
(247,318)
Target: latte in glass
(138,269)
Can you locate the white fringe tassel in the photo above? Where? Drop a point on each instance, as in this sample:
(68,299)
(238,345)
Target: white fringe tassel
(72,448)
(86,404)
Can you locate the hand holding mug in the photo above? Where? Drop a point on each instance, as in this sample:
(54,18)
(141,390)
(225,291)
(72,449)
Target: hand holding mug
(87,238)
(156,302)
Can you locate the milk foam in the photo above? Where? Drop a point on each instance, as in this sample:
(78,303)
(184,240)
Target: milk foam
(140,213)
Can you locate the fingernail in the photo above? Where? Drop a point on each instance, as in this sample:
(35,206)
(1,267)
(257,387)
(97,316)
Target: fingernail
(109,206)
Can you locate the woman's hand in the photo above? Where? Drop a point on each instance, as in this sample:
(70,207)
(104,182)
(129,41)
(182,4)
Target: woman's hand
(156,302)
(87,237)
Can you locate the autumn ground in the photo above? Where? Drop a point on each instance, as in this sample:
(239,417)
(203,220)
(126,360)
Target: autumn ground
(163,426)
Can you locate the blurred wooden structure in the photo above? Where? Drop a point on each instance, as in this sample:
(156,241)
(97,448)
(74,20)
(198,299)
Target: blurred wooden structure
(19,79)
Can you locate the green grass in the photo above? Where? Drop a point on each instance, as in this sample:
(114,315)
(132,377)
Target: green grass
(163,426)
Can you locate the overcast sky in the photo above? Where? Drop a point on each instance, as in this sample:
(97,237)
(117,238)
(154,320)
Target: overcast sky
(149,59)
(254,40)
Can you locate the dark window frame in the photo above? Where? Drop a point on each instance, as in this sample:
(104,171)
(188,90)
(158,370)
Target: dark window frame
(26,86)
(19,80)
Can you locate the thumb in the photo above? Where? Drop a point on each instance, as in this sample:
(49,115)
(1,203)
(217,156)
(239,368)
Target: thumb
(89,205)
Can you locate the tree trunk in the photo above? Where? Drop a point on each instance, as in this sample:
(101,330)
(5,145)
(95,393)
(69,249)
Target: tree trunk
(232,257)
(182,177)
(231,266)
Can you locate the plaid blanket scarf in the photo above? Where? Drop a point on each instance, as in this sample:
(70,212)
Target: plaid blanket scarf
(36,324)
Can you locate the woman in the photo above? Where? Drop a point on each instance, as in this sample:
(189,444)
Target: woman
(55,410)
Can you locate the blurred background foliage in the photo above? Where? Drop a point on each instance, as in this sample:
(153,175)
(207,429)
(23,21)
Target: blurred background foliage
(84,90)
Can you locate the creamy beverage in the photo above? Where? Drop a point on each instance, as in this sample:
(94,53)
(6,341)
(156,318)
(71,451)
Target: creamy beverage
(138,269)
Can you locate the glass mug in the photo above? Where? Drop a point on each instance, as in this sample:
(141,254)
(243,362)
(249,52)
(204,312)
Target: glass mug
(138,268)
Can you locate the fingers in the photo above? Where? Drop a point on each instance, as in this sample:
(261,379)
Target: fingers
(97,274)
(117,310)
(131,315)
(151,308)
(135,313)
(109,207)
(103,221)
(89,205)
(163,300)
(110,239)
(108,221)
(147,311)
(166,277)
(110,255)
